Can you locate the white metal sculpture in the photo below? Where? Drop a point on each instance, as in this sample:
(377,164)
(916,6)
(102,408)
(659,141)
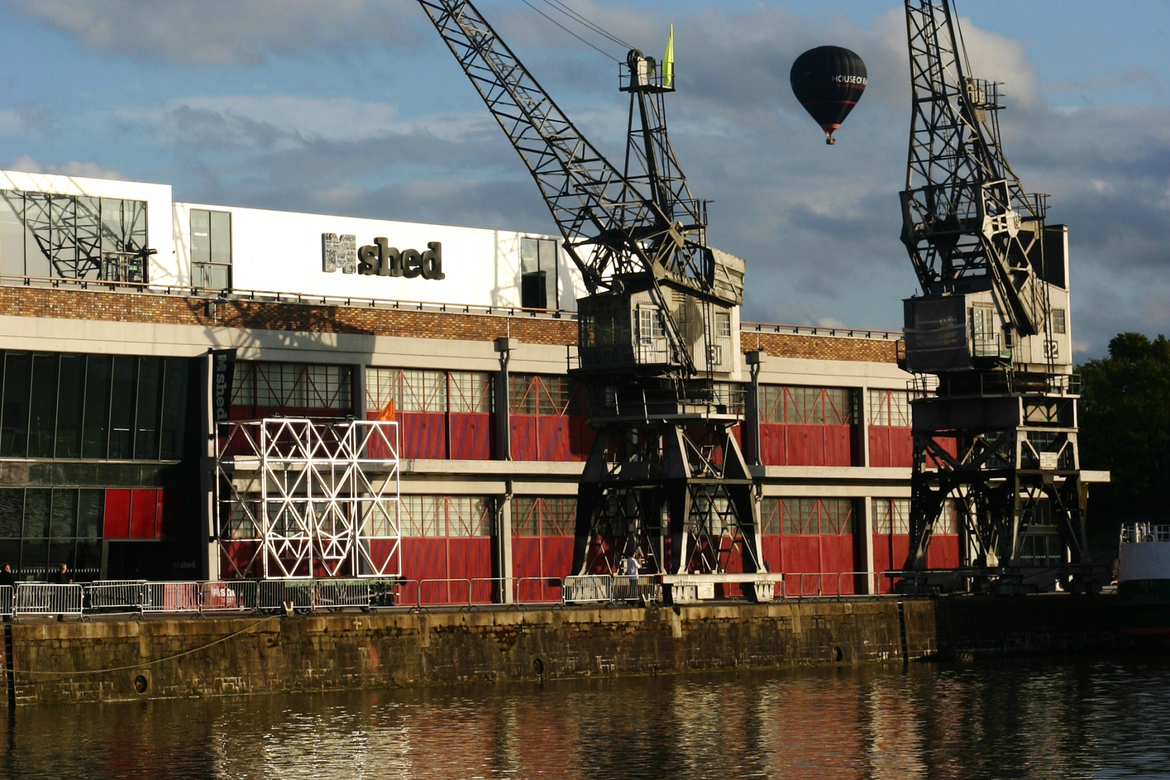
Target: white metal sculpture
(309,498)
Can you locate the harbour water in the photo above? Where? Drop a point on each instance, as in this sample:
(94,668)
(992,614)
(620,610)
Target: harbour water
(1097,718)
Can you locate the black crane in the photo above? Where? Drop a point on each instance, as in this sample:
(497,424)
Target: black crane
(665,475)
(994,399)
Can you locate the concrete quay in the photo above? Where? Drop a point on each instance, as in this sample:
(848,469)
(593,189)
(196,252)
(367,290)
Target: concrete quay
(126,659)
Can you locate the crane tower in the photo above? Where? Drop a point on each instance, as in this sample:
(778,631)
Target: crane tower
(994,400)
(657,339)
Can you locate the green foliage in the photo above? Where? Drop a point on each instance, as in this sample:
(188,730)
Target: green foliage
(1125,428)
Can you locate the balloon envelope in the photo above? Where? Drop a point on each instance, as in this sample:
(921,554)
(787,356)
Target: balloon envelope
(828,82)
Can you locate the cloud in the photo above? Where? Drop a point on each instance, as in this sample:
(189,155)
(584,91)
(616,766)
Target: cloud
(225,32)
(82,168)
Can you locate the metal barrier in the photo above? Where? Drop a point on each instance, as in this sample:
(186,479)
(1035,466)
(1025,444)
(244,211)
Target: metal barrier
(115,595)
(537,589)
(636,589)
(229,596)
(176,597)
(338,594)
(6,600)
(38,598)
(587,589)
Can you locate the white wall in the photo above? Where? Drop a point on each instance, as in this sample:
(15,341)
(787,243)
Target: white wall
(278,251)
(164,266)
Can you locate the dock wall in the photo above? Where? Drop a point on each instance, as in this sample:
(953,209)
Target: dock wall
(107,660)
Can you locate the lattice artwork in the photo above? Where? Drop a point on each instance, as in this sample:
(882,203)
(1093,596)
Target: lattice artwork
(309,498)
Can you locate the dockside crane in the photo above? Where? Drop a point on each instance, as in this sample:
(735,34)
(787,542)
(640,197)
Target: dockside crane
(994,400)
(657,341)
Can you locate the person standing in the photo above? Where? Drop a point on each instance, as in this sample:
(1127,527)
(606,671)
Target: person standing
(61,576)
(7,577)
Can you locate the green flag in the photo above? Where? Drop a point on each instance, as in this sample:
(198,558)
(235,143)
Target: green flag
(668,61)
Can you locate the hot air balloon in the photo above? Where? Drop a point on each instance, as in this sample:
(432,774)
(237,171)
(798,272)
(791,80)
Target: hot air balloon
(828,82)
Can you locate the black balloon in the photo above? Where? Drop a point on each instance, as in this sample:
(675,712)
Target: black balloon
(828,82)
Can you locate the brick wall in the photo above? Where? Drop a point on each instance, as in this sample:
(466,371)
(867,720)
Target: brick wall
(115,306)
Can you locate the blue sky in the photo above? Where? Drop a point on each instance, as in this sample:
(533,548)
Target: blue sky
(356,107)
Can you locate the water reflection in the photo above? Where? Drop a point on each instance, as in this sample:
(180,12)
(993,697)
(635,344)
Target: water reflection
(1010,720)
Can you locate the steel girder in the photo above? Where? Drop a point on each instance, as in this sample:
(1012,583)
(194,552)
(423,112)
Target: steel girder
(1000,483)
(677,492)
(964,212)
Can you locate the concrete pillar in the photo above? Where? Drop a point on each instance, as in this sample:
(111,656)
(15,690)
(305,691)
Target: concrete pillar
(867,543)
(863,425)
(209,557)
(502,544)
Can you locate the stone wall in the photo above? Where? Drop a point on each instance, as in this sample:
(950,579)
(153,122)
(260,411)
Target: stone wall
(108,659)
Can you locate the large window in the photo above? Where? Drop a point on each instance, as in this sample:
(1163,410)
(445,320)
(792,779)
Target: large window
(807,405)
(291,388)
(445,516)
(41,528)
(538,273)
(116,407)
(211,249)
(72,237)
(888,407)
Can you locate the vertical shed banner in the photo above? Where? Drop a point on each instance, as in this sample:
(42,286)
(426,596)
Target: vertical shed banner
(223,365)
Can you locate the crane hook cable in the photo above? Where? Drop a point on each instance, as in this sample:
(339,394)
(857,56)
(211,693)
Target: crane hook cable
(565,9)
(570,32)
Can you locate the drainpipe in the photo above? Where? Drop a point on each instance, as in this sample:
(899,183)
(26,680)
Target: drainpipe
(504,346)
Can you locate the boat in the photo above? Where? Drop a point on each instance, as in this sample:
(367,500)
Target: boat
(1143,578)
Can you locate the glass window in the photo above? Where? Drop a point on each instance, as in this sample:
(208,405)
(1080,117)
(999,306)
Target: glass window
(1059,324)
(69,397)
(723,324)
(122,408)
(36,512)
(43,407)
(149,394)
(471,391)
(14,421)
(538,273)
(97,406)
(11,513)
(525,517)
(37,246)
(90,504)
(174,408)
(11,233)
(63,524)
(211,249)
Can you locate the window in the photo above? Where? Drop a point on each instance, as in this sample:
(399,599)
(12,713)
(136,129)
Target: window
(1059,324)
(533,516)
(93,406)
(438,516)
(891,516)
(984,339)
(538,273)
(296,387)
(72,237)
(211,249)
(888,408)
(795,404)
(723,324)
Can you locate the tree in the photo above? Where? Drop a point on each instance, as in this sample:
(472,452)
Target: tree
(1125,428)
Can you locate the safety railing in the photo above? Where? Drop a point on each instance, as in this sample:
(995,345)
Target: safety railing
(38,598)
(1133,533)
(172,597)
(239,596)
(588,589)
(115,595)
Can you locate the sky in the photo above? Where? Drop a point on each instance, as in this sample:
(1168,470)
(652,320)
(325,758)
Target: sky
(356,107)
